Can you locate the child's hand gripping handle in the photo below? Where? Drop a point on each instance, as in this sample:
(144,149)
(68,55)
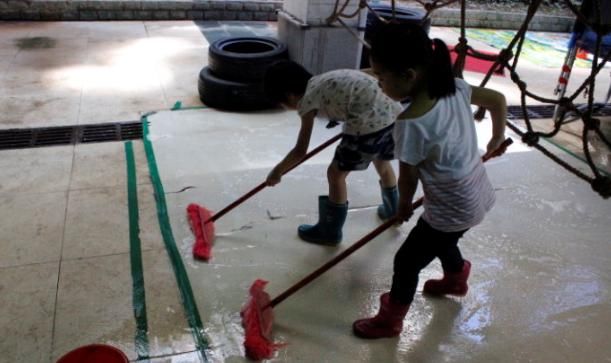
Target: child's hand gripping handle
(499,150)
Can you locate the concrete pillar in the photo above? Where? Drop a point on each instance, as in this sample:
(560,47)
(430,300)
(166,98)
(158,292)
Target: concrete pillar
(313,43)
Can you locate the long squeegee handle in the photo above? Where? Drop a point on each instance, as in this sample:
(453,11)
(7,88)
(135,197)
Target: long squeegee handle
(258,188)
(360,243)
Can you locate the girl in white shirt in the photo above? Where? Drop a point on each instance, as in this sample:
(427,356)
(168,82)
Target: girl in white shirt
(436,144)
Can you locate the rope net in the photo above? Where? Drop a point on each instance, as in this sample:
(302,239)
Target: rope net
(508,59)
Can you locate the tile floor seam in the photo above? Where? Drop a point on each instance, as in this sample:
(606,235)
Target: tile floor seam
(80,102)
(59,265)
(27,264)
(61,252)
(83,258)
(12,61)
(84,189)
(20,192)
(163,90)
(166,355)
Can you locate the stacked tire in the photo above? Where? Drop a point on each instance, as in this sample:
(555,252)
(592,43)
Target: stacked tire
(402,15)
(233,79)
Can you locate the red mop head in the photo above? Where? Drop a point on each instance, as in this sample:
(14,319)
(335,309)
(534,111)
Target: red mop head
(258,323)
(204,232)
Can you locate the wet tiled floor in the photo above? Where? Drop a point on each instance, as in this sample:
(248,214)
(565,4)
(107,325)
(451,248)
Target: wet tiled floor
(540,285)
(532,289)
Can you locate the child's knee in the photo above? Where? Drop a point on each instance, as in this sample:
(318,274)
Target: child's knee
(335,174)
(384,168)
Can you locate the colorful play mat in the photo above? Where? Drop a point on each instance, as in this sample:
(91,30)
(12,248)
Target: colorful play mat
(541,48)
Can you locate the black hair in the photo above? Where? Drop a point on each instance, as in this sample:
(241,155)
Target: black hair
(397,47)
(283,78)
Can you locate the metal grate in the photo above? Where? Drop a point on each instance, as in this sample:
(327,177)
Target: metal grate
(14,139)
(547,111)
(69,135)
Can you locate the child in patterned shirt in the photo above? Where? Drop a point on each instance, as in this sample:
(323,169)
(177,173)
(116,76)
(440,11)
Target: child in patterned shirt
(368,116)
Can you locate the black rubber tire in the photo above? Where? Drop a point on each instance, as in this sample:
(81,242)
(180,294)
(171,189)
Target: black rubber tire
(244,58)
(231,95)
(404,15)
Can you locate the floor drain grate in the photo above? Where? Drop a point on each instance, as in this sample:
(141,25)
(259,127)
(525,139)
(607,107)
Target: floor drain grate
(68,135)
(547,111)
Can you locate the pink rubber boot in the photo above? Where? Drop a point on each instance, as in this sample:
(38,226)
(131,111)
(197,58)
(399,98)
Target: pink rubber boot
(451,284)
(387,323)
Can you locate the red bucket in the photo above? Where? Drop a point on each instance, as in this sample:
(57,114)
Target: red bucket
(94,353)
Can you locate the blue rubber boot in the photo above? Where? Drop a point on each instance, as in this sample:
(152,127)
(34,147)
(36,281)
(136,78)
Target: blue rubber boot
(390,199)
(328,230)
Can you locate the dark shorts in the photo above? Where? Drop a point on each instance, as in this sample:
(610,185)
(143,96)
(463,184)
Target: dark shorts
(357,152)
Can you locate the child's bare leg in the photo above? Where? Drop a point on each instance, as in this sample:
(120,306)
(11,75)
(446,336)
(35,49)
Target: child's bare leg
(332,211)
(388,184)
(337,184)
(386,173)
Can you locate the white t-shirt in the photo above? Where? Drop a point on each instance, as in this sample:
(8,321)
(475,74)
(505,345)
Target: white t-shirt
(351,96)
(442,144)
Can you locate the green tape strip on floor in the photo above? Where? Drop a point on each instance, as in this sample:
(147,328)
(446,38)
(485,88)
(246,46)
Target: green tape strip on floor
(182,279)
(138,297)
(179,107)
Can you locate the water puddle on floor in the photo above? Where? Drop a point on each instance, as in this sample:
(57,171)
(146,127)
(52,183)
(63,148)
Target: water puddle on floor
(35,43)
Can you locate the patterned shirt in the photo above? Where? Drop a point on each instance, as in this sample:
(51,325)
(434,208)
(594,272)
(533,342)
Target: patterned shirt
(442,144)
(351,96)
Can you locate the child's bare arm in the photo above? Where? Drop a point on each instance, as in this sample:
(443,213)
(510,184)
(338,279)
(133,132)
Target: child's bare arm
(297,152)
(407,183)
(494,102)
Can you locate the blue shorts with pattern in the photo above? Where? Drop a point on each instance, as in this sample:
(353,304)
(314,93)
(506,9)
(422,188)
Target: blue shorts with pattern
(357,152)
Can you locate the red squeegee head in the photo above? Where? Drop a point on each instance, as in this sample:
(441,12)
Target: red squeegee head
(257,319)
(204,232)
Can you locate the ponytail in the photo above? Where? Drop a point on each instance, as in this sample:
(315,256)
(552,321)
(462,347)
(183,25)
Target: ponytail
(440,75)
